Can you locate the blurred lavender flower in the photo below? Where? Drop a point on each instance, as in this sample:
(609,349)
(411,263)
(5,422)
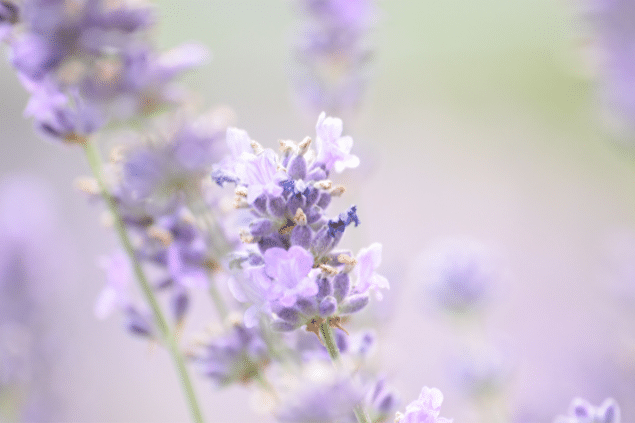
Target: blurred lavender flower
(481,371)
(86,62)
(458,274)
(28,273)
(158,186)
(613,24)
(331,53)
(581,411)
(237,356)
(324,402)
(295,272)
(425,409)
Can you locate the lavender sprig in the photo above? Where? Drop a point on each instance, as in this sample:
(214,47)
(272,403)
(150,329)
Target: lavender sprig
(164,330)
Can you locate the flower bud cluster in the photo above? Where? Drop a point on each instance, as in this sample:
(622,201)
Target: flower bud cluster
(293,270)
(154,182)
(86,62)
(236,356)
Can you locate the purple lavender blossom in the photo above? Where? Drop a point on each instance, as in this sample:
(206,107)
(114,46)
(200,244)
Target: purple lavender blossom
(296,274)
(614,23)
(459,274)
(92,59)
(331,53)
(328,402)
(581,411)
(34,261)
(239,355)
(425,409)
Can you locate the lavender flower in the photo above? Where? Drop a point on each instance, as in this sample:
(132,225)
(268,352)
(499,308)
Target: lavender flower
(87,62)
(613,22)
(324,402)
(459,274)
(155,187)
(295,273)
(34,260)
(425,409)
(237,356)
(581,411)
(330,53)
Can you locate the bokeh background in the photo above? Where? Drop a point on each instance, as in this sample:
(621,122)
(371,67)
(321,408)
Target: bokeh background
(481,120)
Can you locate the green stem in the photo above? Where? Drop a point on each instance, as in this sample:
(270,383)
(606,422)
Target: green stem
(94,161)
(219,303)
(334,353)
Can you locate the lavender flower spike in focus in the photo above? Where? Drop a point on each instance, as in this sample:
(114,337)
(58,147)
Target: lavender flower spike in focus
(291,270)
(425,409)
(581,411)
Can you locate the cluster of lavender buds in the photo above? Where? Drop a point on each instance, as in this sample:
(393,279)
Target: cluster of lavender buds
(157,186)
(295,271)
(331,53)
(581,411)
(89,62)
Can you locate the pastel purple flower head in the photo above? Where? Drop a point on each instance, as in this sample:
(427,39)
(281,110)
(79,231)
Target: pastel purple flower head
(331,53)
(328,402)
(425,409)
(236,356)
(295,275)
(92,57)
(581,411)
(459,274)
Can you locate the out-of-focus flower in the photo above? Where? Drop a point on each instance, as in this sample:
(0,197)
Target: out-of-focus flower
(87,62)
(581,411)
(425,409)
(458,274)
(325,402)
(236,356)
(331,53)
(34,261)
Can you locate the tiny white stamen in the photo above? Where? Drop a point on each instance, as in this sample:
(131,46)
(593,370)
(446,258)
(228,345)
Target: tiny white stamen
(325,184)
(287,145)
(246,237)
(241,191)
(160,234)
(303,147)
(87,184)
(338,190)
(329,270)
(240,203)
(258,149)
(300,217)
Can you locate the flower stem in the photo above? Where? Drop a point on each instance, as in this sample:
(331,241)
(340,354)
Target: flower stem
(92,154)
(334,353)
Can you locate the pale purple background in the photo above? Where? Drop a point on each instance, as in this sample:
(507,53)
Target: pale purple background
(479,122)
